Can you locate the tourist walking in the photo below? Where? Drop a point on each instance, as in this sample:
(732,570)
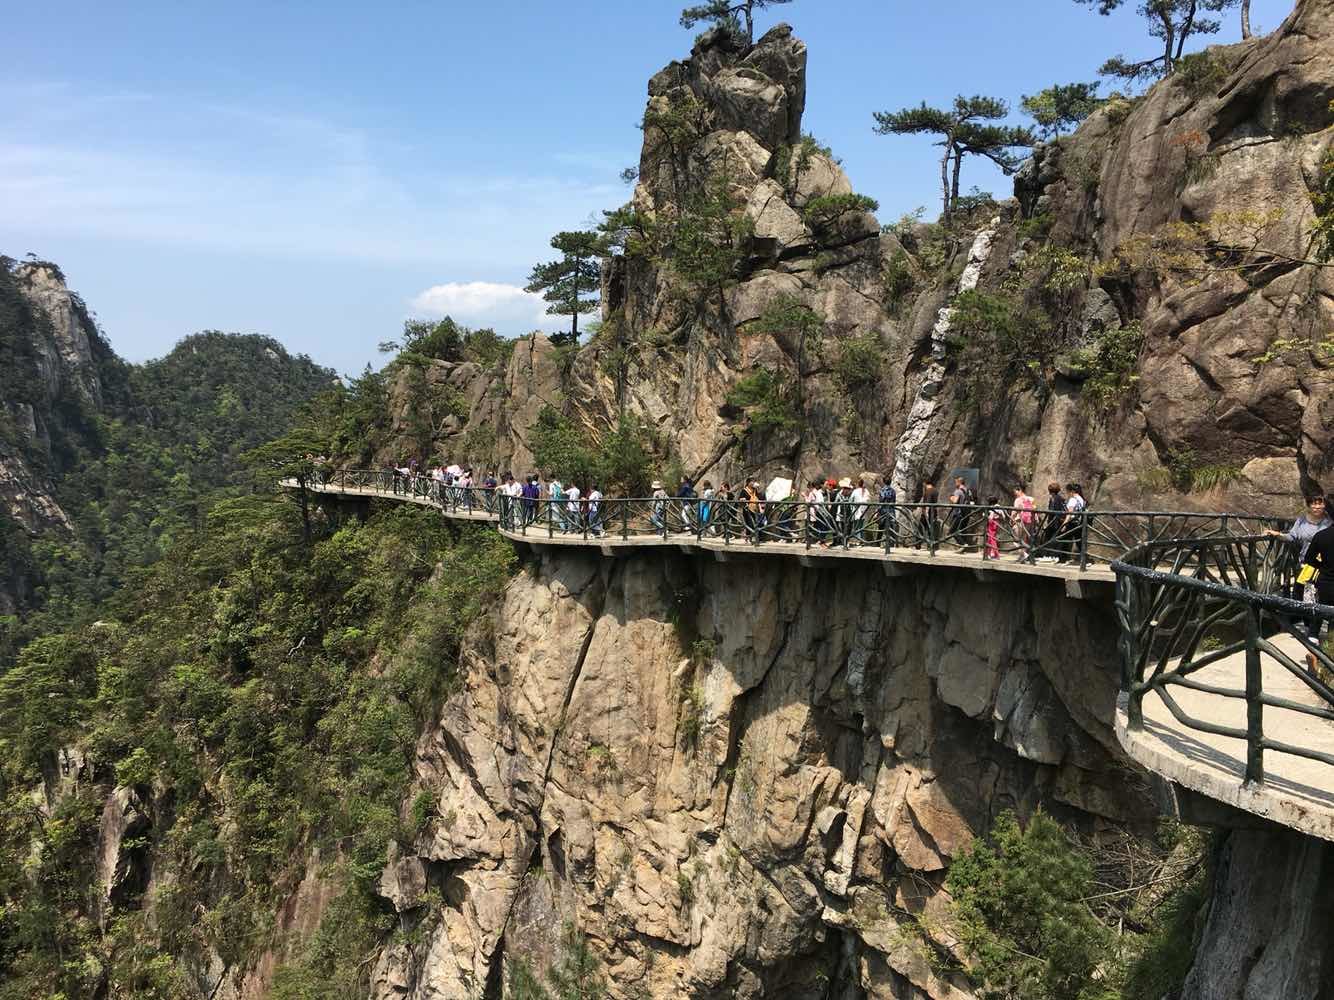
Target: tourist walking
(573,518)
(658,507)
(1320,557)
(929,519)
(1310,523)
(861,499)
(1051,524)
(1075,506)
(1022,522)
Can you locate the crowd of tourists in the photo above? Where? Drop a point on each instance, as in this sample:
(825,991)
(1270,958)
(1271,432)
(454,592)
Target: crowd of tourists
(827,512)
(848,512)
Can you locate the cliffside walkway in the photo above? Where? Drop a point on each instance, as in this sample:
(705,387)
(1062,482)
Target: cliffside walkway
(1076,549)
(1215,695)
(1226,688)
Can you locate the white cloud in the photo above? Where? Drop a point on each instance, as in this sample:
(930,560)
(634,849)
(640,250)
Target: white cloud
(484,303)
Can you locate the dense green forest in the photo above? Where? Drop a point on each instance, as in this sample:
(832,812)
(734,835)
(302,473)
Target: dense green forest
(137,467)
(198,643)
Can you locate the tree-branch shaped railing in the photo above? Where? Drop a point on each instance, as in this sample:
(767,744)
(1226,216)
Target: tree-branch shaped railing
(1185,605)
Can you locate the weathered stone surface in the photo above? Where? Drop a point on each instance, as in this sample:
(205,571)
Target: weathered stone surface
(714,825)
(1268,928)
(124,816)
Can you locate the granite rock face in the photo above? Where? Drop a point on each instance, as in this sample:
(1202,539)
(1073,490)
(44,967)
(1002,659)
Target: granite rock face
(1253,138)
(745,779)
(54,360)
(1267,933)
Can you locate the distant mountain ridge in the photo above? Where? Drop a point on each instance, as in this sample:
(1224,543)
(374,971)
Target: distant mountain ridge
(100,458)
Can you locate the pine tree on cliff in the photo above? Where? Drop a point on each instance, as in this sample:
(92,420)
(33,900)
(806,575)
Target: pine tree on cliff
(967,128)
(568,283)
(1172,22)
(724,14)
(1062,106)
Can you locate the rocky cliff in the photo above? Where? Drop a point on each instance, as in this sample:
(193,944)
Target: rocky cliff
(745,779)
(1223,378)
(55,365)
(750,780)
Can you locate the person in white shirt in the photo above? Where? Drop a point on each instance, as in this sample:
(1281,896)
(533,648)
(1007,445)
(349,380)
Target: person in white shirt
(1070,527)
(861,497)
(556,498)
(572,496)
(594,510)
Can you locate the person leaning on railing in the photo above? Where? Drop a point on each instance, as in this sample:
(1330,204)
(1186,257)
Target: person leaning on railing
(1309,523)
(1320,558)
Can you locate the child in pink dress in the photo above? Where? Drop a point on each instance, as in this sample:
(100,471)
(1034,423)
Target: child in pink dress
(993,529)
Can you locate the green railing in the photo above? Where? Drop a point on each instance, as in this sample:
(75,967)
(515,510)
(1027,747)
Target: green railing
(1187,605)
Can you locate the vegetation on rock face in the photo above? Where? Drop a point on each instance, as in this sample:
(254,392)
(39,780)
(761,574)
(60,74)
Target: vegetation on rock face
(769,399)
(574,976)
(1038,920)
(423,342)
(233,693)
(620,464)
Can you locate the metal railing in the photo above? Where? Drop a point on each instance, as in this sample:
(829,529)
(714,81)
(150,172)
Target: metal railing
(1083,539)
(1185,605)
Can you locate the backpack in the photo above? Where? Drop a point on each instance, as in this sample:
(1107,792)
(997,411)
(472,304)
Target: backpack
(888,494)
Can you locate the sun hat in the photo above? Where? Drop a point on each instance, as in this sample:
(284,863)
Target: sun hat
(845,481)
(657,484)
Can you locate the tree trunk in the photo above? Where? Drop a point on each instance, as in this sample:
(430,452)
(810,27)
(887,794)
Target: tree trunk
(945,177)
(954,187)
(1245,19)
(1187,27)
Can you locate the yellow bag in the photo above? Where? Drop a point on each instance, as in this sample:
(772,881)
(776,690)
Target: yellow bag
(1306,574)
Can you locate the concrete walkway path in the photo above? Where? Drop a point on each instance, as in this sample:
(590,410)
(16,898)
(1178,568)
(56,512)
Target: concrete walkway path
(1297,792)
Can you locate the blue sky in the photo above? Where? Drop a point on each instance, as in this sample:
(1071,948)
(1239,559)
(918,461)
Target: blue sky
(321,171)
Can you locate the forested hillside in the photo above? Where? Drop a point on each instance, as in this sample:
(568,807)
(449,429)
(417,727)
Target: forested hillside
(103,463)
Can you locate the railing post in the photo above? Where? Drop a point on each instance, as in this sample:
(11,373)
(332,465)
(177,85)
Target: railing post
(1128,598)
(932,528)
(727,523)
(625,520)
(1083,540)
(806,508)
(1255,770)
(551,519)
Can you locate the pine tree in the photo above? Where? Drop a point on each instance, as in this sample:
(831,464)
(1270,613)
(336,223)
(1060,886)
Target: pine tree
(965,129)
(726,14)
(1172,22)
(566,284)
(1062,106)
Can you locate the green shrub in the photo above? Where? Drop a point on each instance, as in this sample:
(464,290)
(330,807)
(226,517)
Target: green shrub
(1112,363)
(861,362)
(1018,897)
(767,398)
(899,279)
(825,211)
(1200,72)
